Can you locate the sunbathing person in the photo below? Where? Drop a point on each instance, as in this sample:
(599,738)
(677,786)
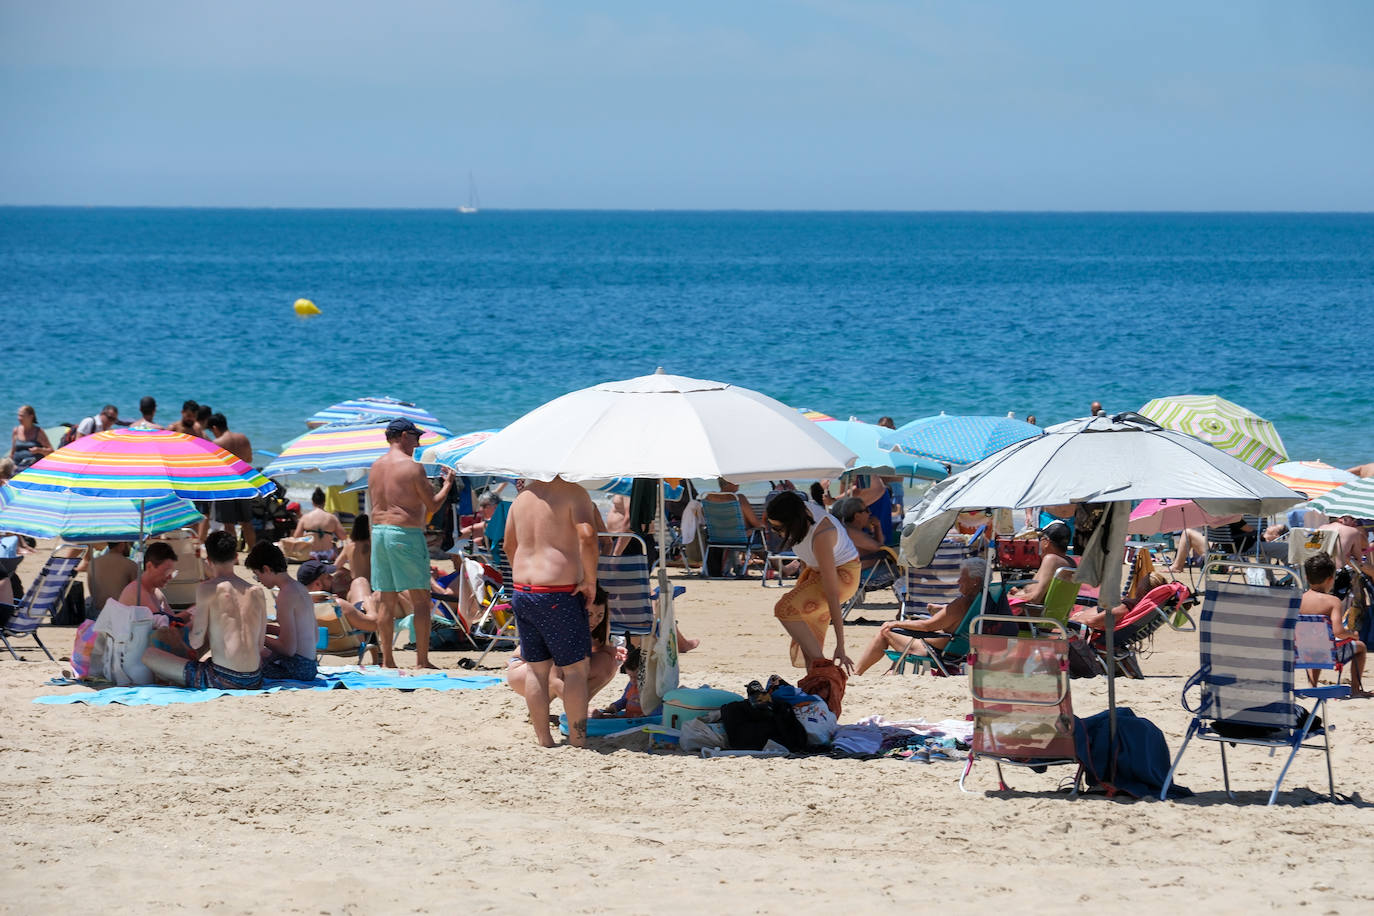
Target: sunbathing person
(355,556)
(324,528)
(1096,618)
(859,524)
(289,654)
(604,658)
(944,618)
(159,566)
(230,617)
(1054,547)
(1188,544)
(1321,575)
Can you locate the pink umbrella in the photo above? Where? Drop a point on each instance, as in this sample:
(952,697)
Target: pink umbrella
(1155,516)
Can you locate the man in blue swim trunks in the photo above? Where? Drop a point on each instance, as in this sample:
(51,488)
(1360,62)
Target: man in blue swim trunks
(401,502)
(231,617)
(551,542)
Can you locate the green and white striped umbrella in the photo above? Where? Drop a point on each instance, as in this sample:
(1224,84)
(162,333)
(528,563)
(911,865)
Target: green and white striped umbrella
(1216,421)
(1356,498)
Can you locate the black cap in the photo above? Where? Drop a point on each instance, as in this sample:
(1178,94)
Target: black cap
(1058,533)
(401,425)
(311,570)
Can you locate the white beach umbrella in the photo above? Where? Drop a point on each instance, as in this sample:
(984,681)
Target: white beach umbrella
(1102,459)
(660,426)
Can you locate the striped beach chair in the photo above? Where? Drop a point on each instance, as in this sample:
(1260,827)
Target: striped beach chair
(937,583)
(1022,706)
(626,581)
(42,599)
(1245,680)
(725,530)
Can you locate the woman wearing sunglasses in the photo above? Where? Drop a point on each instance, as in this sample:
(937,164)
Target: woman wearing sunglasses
(829,577)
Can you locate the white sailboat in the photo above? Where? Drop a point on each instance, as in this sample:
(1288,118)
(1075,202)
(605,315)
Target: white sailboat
(471,205)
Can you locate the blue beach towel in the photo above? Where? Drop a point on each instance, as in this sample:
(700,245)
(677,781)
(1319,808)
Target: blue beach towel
(328,679)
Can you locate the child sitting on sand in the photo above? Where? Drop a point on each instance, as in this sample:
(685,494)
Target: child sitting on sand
(628,704)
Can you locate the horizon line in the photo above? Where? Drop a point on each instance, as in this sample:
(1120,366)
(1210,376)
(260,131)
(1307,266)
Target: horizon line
(838,210)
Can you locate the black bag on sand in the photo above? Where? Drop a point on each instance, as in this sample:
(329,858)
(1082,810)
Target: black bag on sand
(73,609)
(750,725)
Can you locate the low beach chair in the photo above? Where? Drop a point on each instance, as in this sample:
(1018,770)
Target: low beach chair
(884,573)
(336,635)
(43,599)
(725,530)
(190,568)
(496,625)
(1314,646)
(1022,708)
(1245,681)
(1164,606)
(1059,597)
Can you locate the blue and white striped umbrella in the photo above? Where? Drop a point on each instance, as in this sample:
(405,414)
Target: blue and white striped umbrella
(362,408)
(863,439)
(77,518)
(958,440)
(448,452)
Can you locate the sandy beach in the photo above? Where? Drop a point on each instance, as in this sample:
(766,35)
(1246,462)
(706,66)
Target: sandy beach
(384,801)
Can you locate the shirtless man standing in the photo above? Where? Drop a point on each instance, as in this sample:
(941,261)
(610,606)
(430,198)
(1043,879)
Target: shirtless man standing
(231,617)
(234,513)
(289,655)
(401,500)
(551,540)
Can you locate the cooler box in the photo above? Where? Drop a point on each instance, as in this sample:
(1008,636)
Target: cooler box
(1018,553)
(687,703)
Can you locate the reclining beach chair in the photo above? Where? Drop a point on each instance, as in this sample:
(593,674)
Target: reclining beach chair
(43,599)
(190,568)
(1022,709)
(1164,606)
(1245,680)
(1059,597)
(725,529)
(630,595)
(950,659)
(496,625)
(884,573)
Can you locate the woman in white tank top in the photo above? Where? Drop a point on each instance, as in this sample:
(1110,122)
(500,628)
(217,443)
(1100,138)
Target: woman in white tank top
(829,577)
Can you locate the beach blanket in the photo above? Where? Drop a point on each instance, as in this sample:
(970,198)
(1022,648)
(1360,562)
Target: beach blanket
(345,678)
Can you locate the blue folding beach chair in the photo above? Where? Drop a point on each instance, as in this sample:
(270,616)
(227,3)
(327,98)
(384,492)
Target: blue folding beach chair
(937,583)
(1245,679)
(725,529)
(42,599)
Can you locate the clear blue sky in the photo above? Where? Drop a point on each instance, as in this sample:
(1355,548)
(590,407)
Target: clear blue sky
(763,104)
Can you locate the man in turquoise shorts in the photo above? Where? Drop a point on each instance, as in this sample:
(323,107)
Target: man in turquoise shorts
(401,500)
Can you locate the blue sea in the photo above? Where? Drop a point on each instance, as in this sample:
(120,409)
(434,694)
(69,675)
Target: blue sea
(481,317)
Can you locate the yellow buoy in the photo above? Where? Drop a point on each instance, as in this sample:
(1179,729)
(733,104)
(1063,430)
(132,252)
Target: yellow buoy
(305,307)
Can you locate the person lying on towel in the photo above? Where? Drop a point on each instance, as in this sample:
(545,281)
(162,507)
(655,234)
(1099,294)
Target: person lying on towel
(230,616)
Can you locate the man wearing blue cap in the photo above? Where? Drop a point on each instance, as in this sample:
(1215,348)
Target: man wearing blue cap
(401,500)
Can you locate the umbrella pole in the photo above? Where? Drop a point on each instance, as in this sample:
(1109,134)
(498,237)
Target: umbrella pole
(1111,694)
(665,591)
(141,503)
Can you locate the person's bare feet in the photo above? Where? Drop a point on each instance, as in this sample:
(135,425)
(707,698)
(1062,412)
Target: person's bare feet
(428,666)
(685,645)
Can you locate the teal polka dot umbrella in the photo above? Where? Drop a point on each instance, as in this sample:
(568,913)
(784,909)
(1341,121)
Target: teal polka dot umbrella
(1220,423)
(958,440)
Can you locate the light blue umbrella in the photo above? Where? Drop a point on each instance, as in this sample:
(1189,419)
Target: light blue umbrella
(958,440)
(363,408)
(79,519)
(864,440)
(339,447)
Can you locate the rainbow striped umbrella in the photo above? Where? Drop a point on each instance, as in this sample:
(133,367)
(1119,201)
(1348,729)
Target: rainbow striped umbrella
(145,464)
(958,440)
(76,518)
(447,452)
(814,414)
(1216,421)
(366,408)
(339,447)
(1311,478)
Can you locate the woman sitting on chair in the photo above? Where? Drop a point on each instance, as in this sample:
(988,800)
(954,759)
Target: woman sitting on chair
(829,577)
(859,524)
